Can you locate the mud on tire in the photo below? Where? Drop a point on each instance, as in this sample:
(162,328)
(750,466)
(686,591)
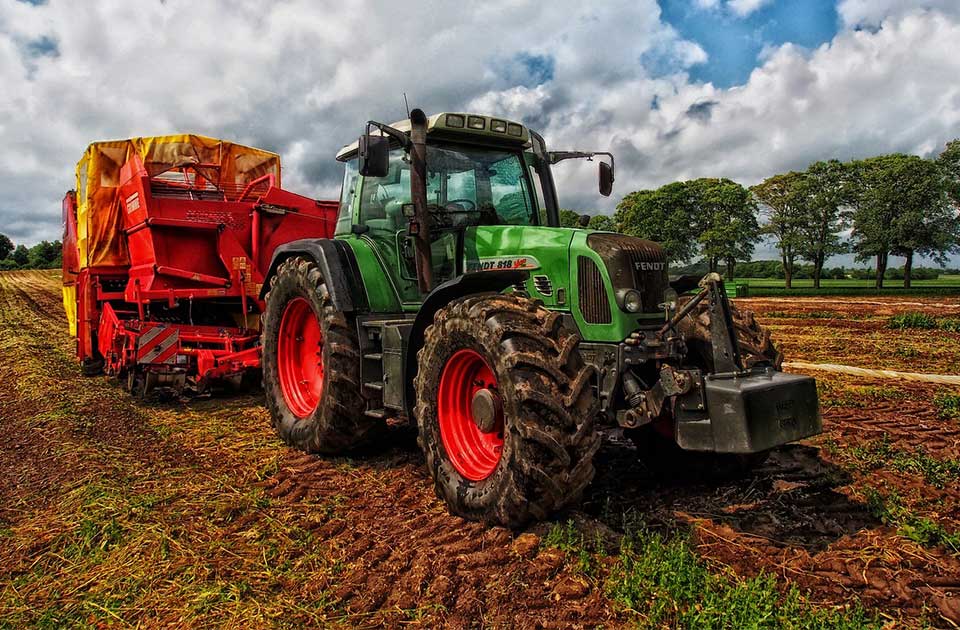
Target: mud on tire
(337,423)
(756,346)
(548,409)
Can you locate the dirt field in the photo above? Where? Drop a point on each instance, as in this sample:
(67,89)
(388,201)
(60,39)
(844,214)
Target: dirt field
(121,513)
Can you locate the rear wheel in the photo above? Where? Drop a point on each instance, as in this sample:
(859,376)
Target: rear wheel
(311,364)
(505,410)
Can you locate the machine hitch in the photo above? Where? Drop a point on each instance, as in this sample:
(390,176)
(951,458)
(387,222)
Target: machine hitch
(723,336)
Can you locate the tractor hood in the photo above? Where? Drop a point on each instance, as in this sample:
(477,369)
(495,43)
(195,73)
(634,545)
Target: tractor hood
(584,272)
(542,251)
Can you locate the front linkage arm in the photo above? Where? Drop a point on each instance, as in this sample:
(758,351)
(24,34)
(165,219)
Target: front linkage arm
(723,336)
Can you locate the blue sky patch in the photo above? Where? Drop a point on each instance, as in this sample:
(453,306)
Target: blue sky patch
(539,68)
(43,47)
(734,43)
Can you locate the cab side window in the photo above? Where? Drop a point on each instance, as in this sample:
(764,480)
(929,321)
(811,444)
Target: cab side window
(345,216)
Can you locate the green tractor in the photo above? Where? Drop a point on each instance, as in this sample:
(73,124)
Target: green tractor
(451,298)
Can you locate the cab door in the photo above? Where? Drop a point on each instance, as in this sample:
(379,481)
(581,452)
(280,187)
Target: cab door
(381,202)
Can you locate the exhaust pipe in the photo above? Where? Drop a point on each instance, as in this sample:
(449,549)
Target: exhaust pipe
(419,227)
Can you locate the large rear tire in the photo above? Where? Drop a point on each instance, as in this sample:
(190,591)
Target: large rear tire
(311,364)
(505,410)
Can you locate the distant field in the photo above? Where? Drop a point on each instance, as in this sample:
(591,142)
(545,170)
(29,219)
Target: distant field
(759,287)
(128,513)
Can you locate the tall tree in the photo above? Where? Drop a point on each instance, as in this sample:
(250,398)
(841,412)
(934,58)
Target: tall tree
(725,220)
(665,215)
(569,218)
(786,214)
(21,256)
(6,246)
(826,190)
(715,217)
(949,163)
(900,208)
(44,255)
(874,209)
(603,223)
(926,223)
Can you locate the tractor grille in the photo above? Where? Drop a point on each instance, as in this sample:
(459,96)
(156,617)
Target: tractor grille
(633,263)
(594,304)
(543,285)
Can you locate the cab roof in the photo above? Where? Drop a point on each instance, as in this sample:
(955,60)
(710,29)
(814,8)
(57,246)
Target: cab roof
(459,123)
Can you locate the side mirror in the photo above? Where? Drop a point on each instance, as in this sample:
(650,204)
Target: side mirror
(373,155)
(584,220)
(606,179)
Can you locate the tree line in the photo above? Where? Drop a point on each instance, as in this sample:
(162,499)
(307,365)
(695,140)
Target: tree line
(43,255)
(890,205)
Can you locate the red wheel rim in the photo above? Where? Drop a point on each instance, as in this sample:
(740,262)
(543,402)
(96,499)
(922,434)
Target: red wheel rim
(300,358)
(473,452)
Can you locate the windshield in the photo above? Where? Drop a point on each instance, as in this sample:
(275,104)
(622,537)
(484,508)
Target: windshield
(465,186)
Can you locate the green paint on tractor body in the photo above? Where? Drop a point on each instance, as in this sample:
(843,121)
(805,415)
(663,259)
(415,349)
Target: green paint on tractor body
(544,252)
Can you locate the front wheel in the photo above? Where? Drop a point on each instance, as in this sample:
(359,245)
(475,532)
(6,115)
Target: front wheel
(505,410)
(756,345)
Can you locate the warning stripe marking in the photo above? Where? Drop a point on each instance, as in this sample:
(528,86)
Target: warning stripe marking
(158,345)
(149,336)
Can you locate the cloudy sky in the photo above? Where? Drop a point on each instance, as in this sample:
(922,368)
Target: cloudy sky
(676,88)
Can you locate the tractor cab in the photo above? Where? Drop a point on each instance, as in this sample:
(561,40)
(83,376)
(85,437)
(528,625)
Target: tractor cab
(485,180)
(467,186)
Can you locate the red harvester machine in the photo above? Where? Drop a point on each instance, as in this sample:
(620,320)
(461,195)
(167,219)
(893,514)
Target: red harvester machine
(166,241)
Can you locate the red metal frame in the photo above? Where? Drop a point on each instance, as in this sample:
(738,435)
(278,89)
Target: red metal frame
(189,242)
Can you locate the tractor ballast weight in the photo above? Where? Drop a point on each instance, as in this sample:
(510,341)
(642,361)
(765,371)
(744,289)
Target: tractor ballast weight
(451,299)
(166,243)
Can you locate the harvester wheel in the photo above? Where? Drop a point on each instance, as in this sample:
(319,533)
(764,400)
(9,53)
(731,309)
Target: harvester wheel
(505,410)
(131,380)
(92,366)
(756,346)
(311,364)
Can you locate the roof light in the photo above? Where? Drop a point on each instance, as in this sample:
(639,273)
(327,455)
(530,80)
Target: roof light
(455,120)
(476,122)
(515,130)
(500,126)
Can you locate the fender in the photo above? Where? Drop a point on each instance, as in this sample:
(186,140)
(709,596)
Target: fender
(337,263)
(461,286)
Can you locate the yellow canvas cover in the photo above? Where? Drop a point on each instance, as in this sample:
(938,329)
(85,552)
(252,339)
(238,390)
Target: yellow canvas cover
(99,222)
(70,306)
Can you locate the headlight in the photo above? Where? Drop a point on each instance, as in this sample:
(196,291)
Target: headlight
(670,298)
(631,301)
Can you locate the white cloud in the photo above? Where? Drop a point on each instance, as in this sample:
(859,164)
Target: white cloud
(870,13)
(301,79)
(865,93)
(740,8)
(288,75)
(744,8)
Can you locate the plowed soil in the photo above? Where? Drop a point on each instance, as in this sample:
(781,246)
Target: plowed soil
(169,514)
